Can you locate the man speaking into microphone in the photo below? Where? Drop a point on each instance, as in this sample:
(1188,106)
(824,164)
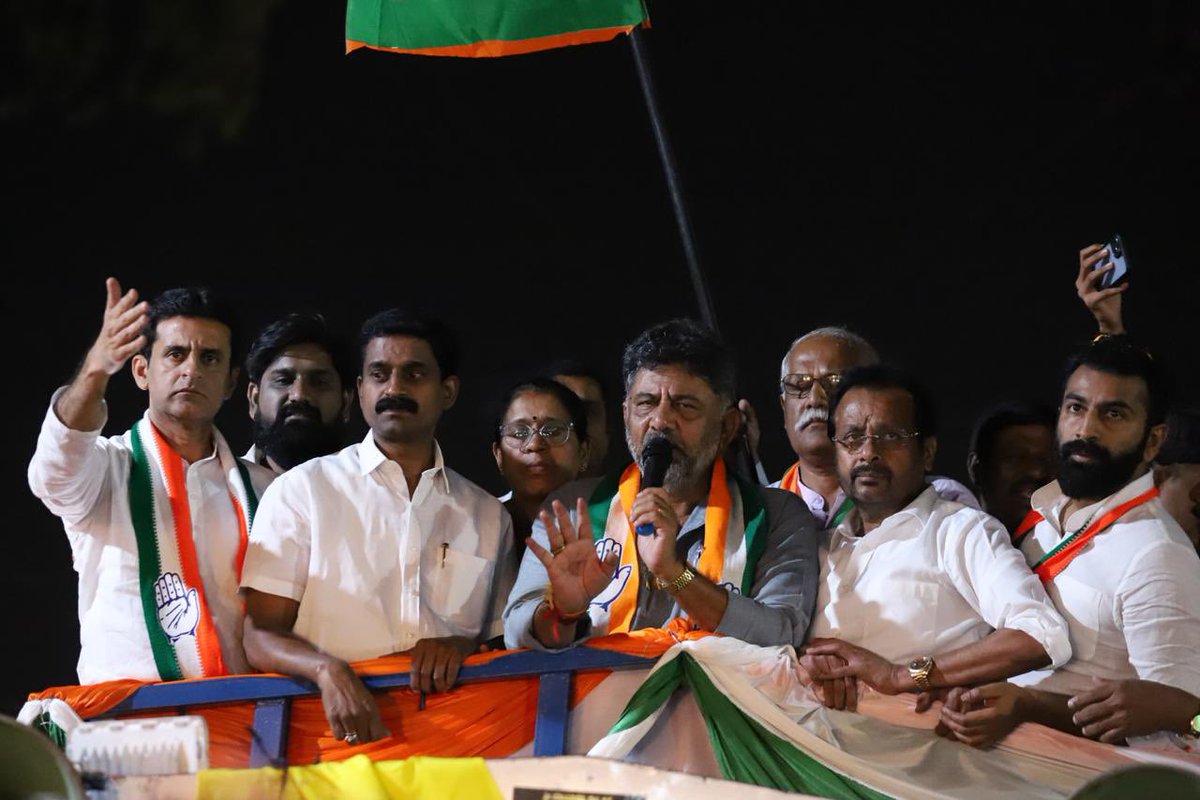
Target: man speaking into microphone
(672,540)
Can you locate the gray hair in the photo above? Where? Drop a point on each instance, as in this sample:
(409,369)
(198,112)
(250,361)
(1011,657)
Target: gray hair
(843,335)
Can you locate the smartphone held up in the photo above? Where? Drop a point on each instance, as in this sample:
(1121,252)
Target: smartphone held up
(1116,255)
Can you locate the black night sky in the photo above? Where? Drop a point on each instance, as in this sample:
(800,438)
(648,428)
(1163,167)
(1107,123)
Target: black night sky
(926,180)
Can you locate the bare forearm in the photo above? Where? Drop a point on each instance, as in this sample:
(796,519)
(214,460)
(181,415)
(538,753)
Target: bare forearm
(81,406)
(996,657)
(1047,708)
(276,651)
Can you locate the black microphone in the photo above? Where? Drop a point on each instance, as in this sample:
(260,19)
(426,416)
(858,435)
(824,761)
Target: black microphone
(656,460)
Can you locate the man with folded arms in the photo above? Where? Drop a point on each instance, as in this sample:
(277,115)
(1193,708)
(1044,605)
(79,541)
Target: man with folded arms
(1116,564)
(157,517)
(711,552)
(917,592)
(379,548)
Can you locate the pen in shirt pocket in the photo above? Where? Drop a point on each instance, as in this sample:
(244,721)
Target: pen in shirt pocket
(445,547)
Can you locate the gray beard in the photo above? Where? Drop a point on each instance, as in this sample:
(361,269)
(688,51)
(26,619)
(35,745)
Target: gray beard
(685,469)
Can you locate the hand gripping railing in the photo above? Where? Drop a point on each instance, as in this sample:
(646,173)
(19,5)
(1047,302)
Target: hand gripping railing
(273,694)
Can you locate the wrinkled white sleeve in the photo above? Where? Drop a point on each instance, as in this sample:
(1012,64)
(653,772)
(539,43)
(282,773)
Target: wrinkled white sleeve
(72,471)
(1158,608)
(277,557)
(993,577)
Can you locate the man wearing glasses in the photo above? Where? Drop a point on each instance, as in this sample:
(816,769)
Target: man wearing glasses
(379,548)
(809,377)
(705,551)
(917,592)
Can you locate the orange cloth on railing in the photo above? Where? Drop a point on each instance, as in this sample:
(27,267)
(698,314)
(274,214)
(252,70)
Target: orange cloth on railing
(491,718)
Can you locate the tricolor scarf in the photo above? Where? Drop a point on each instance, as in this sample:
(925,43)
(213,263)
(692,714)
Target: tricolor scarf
(183,637)
(1052,563)
(735,535)
(791,483)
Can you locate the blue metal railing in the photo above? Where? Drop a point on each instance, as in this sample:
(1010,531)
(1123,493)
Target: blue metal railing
(272,695)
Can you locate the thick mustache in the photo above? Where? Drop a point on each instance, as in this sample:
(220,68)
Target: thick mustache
(400,403)
(299,409)
(808,415)
(870,469)
(1084,447)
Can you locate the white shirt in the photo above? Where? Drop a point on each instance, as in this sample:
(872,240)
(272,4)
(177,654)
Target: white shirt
(84,479)
(1131,597)
(373,569)
(934,576)
(947,489)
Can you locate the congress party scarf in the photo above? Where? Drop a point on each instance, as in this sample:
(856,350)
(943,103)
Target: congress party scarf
(183,637)
(1051,564)
(735,535)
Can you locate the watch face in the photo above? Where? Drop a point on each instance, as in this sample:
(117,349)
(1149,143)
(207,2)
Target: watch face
(919,664)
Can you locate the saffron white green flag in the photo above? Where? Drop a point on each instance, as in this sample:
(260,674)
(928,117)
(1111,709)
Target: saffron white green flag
(765,728)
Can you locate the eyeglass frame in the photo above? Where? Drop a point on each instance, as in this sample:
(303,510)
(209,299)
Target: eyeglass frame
(535,431)
(878,439)
(784,386)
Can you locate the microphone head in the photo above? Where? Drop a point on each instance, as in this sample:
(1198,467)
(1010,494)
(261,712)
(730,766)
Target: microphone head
(656,460)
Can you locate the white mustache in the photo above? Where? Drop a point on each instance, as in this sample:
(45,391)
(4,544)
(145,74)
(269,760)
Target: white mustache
(811,415)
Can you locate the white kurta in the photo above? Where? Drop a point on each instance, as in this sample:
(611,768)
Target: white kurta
(373,569)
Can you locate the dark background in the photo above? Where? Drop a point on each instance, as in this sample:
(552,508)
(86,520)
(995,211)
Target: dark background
(926,180)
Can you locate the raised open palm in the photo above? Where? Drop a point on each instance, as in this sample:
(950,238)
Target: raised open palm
(577,573)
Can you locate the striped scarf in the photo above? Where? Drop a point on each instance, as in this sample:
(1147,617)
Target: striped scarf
(178,618)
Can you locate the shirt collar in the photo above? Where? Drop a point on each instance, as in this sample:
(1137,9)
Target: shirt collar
(921,507)
(1049,500)
(370,457)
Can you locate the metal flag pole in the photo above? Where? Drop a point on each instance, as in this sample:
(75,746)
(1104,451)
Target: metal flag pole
(674,188)
(743,458)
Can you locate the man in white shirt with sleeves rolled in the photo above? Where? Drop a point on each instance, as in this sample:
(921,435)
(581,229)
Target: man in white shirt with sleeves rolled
(157,518)
(917,592)
(380,548)
(1117,565)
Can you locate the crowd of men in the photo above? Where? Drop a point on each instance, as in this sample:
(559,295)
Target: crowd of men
(1064,590)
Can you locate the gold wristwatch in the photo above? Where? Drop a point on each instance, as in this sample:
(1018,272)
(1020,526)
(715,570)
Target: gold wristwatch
(919,670)
(676,586)
(1194,727)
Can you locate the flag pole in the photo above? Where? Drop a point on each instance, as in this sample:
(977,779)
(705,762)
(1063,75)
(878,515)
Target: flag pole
(674,188)
(743,460)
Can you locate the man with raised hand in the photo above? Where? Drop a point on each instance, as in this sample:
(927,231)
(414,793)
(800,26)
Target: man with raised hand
(1116,564)
(380,548)
(917,592)
(712,553)
(157,518)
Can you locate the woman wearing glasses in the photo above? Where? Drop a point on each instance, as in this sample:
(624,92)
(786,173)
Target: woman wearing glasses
(541,443)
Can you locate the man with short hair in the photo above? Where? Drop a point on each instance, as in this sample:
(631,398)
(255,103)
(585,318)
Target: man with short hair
(917,592)
(380,548)
(299,392)
(1012,455)
(589,387)
(157,518)
(711,552)
(1116,564)
(809,376)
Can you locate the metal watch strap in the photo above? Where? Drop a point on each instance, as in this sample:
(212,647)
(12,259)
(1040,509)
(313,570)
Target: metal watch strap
(676,586)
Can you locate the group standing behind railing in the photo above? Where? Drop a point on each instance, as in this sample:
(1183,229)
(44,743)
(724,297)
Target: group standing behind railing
(1072,602)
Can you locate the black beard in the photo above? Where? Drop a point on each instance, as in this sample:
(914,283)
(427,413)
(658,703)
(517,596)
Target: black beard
(1101,478)
(289,443)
